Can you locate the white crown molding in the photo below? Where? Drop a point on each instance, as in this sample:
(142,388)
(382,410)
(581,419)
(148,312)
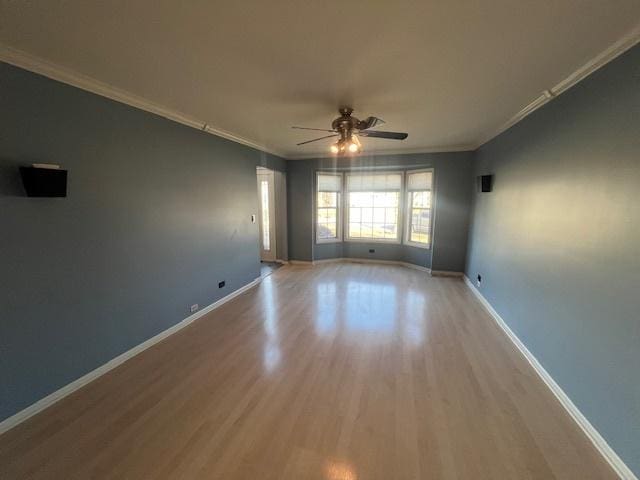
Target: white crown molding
(600,60)
(77,384)
(56,72)
(613,51)
(395,151)
(604,57)
(612,458)
(40,66)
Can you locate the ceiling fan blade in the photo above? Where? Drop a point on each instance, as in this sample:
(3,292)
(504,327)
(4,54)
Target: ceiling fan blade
(379,134)
(369,122)
(316,129)
(316,139)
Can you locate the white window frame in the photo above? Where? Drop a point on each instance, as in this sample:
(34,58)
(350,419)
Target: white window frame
(400,216)
(404,209)
(408,208)
(339,208)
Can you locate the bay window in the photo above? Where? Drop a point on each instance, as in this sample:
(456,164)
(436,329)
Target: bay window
(389,207)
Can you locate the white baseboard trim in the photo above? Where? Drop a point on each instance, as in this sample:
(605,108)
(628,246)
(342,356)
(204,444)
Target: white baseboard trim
(300,262)
(415,267)
(446,273)
(612,458)
(54,397)
(371,260)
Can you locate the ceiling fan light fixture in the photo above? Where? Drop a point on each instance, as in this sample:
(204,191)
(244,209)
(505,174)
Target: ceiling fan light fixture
(348,128)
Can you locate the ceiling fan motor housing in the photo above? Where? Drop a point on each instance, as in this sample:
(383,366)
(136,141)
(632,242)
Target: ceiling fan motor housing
(345,123)
(348,128)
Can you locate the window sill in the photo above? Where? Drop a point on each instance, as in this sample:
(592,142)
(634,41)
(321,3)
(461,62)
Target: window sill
(424,246)
(328,240)
(371,240)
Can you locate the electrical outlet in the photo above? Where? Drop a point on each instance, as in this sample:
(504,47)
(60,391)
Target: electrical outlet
(372,250)
(479,281)
(221,284)
(194,307)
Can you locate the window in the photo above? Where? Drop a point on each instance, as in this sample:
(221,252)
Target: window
(264,193)
(373,206)
(419,208)
(328,207)
(379,207)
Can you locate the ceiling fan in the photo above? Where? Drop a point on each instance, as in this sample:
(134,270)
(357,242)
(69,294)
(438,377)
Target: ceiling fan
(349,128)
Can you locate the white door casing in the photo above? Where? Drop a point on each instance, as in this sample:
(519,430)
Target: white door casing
(266,215)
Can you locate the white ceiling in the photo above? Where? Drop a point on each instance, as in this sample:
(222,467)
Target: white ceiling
(448,72)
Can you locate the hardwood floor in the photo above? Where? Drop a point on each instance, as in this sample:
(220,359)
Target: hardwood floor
(336,372)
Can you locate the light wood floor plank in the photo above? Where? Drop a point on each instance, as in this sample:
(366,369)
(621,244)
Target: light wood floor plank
(334,372)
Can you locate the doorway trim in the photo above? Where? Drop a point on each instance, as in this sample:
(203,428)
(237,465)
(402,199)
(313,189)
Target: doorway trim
(266,179)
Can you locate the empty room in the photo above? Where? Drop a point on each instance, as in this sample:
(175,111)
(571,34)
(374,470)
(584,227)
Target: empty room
(320,240)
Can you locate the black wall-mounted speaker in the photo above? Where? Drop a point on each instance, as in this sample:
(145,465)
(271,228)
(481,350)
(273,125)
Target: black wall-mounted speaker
(485,183)
(44,182)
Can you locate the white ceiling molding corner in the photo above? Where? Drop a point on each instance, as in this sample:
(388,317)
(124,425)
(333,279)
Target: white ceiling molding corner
(48,69)
(607,55)
(600,60)
(39,65)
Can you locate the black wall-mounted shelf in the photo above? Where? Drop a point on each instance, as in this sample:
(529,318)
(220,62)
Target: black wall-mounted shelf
(44,182)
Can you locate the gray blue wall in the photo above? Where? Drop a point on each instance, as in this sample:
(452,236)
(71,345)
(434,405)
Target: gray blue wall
(157,214)
(452,177)
(558,244)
